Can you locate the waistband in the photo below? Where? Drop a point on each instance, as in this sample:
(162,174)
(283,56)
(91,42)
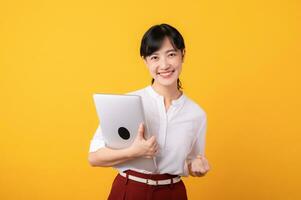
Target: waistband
(150,179)
(151,176)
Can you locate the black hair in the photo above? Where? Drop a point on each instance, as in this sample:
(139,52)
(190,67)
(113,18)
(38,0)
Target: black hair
(153,38)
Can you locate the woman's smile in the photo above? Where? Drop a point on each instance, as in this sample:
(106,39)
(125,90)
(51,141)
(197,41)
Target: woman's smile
(167,74)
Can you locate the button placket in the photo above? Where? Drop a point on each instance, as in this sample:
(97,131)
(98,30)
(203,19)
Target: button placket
(163,122)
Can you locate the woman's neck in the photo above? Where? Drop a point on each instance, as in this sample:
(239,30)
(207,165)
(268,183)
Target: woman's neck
(168,92)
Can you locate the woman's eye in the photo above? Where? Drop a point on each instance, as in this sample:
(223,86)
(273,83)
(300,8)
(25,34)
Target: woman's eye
(154,57)
(172,54)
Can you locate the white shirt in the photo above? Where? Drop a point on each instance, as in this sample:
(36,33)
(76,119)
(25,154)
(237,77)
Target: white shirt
(180,131)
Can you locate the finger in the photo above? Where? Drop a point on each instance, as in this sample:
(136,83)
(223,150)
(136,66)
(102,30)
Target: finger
(148,156)
(141,131)
(151,140)
(200,174)
(203,169)
(154,145)
(155,149)
(191,172)
(197,173)
(200,167)
(141,126)
(206,164)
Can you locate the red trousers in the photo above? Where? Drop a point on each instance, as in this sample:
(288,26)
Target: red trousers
(126,189)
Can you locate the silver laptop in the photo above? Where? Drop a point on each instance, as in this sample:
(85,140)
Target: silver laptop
(119,116)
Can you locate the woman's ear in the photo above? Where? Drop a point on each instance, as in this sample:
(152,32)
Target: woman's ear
(183,55)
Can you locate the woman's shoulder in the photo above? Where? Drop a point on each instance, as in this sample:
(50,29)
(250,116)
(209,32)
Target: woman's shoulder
(195,107)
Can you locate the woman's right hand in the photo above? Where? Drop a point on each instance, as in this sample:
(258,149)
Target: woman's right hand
(142,147)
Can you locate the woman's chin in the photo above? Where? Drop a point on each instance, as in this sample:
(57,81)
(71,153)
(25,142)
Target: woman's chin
(166,82)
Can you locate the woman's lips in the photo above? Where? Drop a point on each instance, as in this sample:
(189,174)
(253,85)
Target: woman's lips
(166,74)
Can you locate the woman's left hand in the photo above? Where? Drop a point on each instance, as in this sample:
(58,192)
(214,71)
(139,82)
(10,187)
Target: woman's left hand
(199,166)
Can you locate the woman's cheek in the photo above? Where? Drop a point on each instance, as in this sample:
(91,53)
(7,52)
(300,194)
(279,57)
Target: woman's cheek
(153,73)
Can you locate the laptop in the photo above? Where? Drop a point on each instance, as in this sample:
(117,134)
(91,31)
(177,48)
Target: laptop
(119,117)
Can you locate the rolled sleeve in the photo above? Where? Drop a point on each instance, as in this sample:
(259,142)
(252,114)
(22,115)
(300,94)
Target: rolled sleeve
(97,141)
(198,146)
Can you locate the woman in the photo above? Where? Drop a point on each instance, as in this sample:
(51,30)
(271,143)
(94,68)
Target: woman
(178,126)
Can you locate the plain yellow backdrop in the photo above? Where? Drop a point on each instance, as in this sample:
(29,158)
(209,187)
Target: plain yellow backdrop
(242,66)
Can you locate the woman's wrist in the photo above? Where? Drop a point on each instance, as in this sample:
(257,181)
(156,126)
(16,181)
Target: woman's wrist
(130,152)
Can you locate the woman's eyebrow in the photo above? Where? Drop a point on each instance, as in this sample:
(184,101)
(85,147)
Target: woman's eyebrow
(170,50)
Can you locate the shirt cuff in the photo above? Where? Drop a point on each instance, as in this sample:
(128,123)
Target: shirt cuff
(95,145)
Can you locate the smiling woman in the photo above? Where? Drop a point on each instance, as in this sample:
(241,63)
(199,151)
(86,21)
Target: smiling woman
(177,124)
(156,38)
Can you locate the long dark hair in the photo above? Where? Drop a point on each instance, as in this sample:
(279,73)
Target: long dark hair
(153,38)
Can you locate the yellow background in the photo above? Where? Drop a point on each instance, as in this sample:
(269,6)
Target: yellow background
(242,66)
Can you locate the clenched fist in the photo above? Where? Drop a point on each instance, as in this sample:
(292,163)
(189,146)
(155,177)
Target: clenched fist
(199,166)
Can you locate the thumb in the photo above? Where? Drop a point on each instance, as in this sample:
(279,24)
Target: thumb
(140,134)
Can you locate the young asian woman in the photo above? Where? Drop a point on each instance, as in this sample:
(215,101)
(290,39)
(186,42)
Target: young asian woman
(177,123)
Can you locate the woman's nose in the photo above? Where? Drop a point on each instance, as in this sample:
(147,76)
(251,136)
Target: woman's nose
(164,63)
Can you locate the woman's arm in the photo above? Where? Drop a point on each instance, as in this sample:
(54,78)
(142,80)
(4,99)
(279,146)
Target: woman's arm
(106,157)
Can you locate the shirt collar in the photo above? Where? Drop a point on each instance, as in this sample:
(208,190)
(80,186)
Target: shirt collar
(157,96)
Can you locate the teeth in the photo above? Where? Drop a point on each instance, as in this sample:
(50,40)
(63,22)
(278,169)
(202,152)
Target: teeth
(166,72)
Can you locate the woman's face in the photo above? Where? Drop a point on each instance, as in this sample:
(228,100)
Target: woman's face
(165,65)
